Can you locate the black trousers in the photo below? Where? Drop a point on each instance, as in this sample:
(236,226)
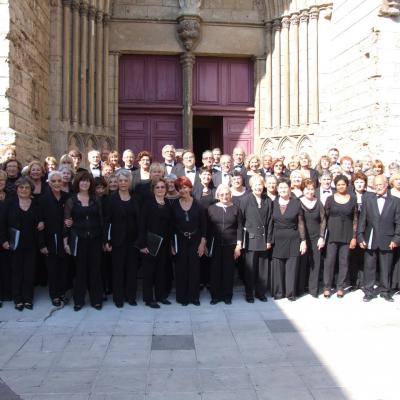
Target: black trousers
(88,271)
(396,269)
(125,261)
(23,275)
(256,273)
(356,267)
(57,275)
(284,276)
(205,265)
(222,272)
(371,258)
(106,271)
(187,270)
(154,273)
(5,275)
(314,266)
(334,251)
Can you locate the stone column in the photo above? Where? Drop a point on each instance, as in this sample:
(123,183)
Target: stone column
(106,71)
(84,49)
(276,74)
(313,65)
(268,75)
(187,60)
(99,67)
(285,72)
(66,114)
(259,96)
(303,67)
(294,70)
(75,60)
(92,44)
(114,102)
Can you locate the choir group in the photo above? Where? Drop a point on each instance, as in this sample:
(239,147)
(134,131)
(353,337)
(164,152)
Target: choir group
(287,227)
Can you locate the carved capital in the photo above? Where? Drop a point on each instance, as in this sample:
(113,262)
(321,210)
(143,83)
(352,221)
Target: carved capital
(295,19)
(106,19)
(187,60)
(54,3)
(75,5)
(285,22)
(99,16)
(277,25)
(314,13)
(84,8)
(304,16)
(268,27)
(190,7)
(92,12)
(189,31)
(390,8)
(66,3)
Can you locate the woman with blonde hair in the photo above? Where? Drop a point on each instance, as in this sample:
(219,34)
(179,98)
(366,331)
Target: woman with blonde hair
(296,179)
(252,165)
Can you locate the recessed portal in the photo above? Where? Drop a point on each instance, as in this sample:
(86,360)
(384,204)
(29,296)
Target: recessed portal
(207,134)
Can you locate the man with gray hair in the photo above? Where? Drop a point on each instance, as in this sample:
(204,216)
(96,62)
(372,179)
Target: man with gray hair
(94,163)
(168,154)
(128,158)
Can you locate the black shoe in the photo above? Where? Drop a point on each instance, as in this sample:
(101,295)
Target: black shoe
(19,306)
(98,306)
(28,306)
(250,299)
(77,307)
(1,304)
(105,298)
(387,297)
(228,301)
(213,302)
(367,298)
(56,302)
(315,296)
(263,299)
(165,302)
(184,303)
(196,303)
(119,305)
(64,299)
(152,304)
(292,298)
(132,302)
(278,297)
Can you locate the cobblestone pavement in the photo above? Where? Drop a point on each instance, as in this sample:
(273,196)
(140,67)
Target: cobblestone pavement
(310,349)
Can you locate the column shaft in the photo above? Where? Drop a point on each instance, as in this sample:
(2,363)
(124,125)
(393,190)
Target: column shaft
(276,75)
(66,114)
(92,43)
(303,68)
(294,70)
(268,75)
(285,72)
(75,60)
(106,69)
(84,51)
(187,61)
(313,65)
(99,67)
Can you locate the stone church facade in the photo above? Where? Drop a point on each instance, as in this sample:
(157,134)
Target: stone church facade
(268,75)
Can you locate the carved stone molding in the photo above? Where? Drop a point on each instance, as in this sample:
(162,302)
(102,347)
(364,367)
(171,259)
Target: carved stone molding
(304,16)
(190,7)
(83,10)
(277,25)
(99,16)
(268,27)
(106,19)
(92,12)
(189,31)
(75,5)
(285,22)
(314,13)
(390,8)
(67,3)
(295,19)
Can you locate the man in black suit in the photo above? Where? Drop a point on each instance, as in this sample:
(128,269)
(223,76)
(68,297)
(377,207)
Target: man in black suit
(188,168)
(325,187)
(223,176)
(168,154)
(378,233)
(128,158)
(238,156)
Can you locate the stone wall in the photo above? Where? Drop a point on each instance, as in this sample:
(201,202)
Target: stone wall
(29,66)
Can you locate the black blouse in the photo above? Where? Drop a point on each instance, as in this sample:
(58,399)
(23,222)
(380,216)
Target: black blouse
(193,221)
(342,220)
(315,220)
(225,224)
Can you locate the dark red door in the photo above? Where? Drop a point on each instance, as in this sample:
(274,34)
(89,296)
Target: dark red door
(238,132)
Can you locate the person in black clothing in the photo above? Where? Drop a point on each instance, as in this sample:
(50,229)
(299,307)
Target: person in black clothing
(256,212)
(378,233)
(84,217)
(52,210)
(36,172)
(13,169)
(238,189)
(289,241)
(225,230)
(342,216)
(306,170)
(155,219)
(315,221)
(5,267)
(141,176)
(122,228)
(19,233)
(190,226)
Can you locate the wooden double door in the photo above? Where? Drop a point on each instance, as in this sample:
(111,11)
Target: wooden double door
(150,103)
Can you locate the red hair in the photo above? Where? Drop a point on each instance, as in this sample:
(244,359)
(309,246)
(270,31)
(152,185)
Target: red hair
(183,181)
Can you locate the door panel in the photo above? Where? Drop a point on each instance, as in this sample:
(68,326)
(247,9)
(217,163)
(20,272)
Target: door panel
(238,132)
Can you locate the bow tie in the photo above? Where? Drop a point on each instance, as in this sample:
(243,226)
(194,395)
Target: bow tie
(169,165)
(326,191)
(238,166)
(98,167)
(226,175)
(381,196)
(192,171)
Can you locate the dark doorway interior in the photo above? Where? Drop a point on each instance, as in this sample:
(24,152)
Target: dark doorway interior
(207,134)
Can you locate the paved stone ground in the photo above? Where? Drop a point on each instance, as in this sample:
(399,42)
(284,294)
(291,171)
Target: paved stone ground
(311,349)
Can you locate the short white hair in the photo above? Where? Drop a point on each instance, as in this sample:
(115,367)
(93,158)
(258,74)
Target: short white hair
(220,188)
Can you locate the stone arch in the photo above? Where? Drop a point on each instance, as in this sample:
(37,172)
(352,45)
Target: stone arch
(92,143)
(75,142)
(267,147)
(286,147)
(305,144)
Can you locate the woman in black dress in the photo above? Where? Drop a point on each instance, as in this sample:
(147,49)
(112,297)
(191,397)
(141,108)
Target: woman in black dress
(5,267)
(342,216)
(19,234)
(83,215)
(256,212)
(155,220)
(122,228)
(306,170)
(289,241)
(141,176)
(270,184)
(190,226)
(226,241)
(315,221)
(13,169)
(52,210)
(238,189)
(36,172)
